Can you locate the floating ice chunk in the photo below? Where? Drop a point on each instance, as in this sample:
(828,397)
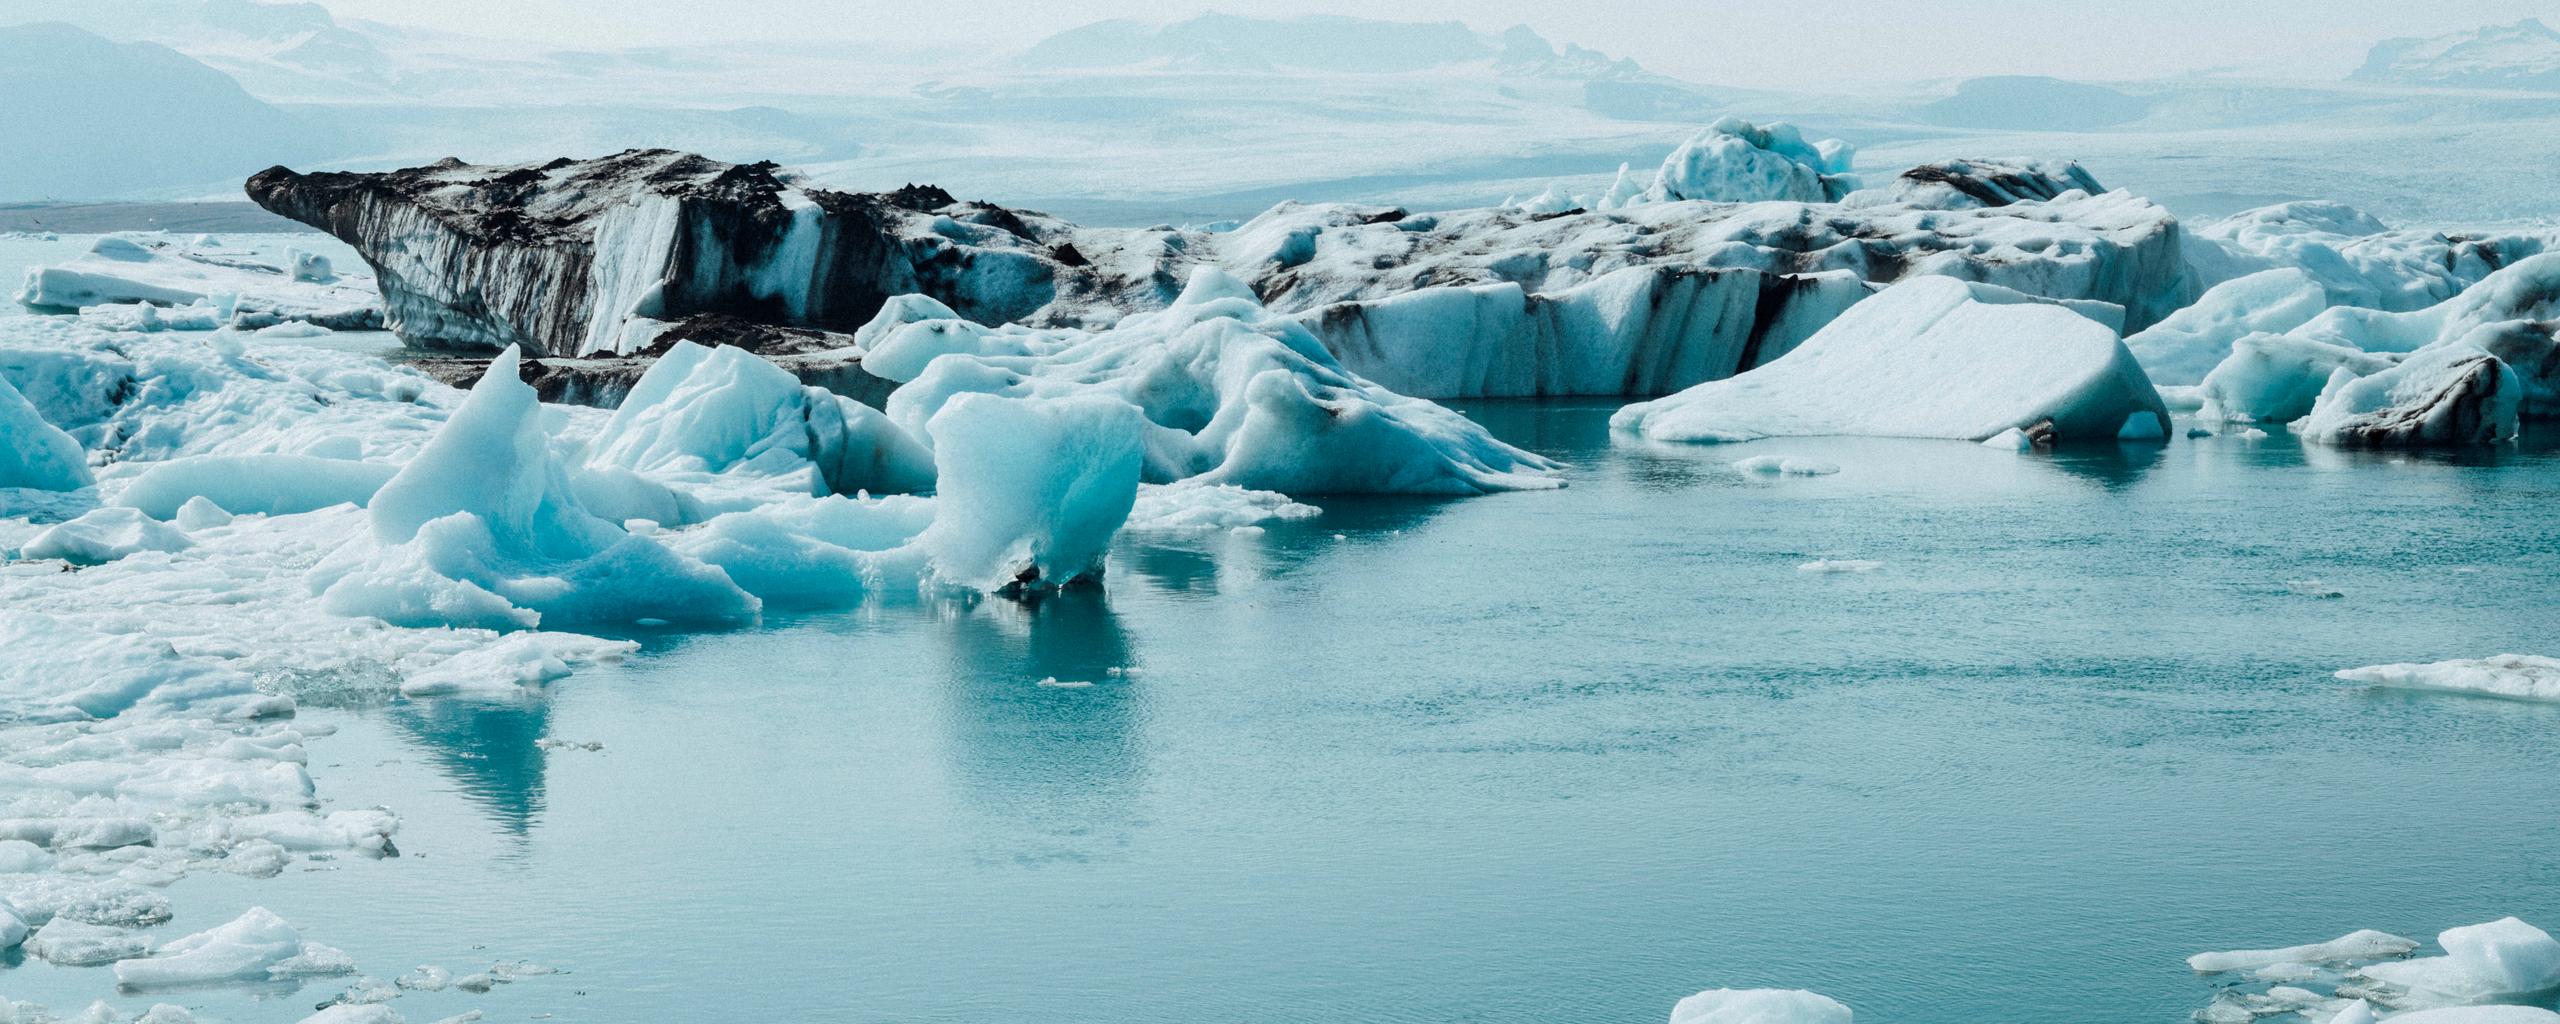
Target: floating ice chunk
(2186,345)
(363,830)
(820,552)
(42,899)
(2363,944)
(2275,378)
(1736,161)
(309,267)
(483,529)
(511,666)
(426,978)
(34,453)
(294,329)
(2011,440)
(1189,506)
(13,929)
(2313,588)
(256,946)
(102,535)
(2483,963)
(260,484)
(1759,1006)
(354,1013)
(2443,394)
(257,858)
(67,943)
(1929,357)
(1839,565)
(1031,489)
(1230,393)
(2518,676)
(1785,465)
(2468,1015)
(200,513)
(700,410)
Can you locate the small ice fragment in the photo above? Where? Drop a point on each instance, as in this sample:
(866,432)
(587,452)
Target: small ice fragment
(2252,434)
(426,978)
(1785,465)
(475,983)
(2010,440)
(1837,565)
(2198,432)
(2312,588)
(1069,684)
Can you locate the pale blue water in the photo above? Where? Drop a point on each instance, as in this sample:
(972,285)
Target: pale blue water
(1528,758)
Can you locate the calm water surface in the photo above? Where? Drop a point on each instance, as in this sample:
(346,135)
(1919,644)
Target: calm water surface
(1528,758)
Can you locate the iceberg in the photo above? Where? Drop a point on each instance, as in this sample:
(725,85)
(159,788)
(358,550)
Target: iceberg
(103,535)
(2186,345)
(702,412)
(1032,488)
(1736,161)
(482,529)
(1930,357)
(256,946)
(1645,297)
(1230,393)
(2483,963)
(2443,395)
(1759,1006)
(128,269)
(2517,676)
(33,453)
(2358,261)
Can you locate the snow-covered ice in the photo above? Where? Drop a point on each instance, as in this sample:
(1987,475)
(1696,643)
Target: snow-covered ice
(1930,357)
(140,269)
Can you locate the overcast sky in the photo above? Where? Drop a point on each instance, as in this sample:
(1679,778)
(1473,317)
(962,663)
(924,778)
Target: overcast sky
(1737,42)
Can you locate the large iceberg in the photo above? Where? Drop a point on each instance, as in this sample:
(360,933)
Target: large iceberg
(614,257)
(131,269)
(1930,357)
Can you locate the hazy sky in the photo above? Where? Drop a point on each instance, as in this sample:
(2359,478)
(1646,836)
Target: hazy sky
(1727,41)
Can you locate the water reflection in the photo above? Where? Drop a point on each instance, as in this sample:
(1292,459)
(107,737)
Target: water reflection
(489,750)
(2113,466)
(1042,715)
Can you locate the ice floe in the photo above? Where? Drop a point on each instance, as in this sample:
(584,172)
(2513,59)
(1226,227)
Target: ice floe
(2517,676)
(1930,357)
(1759,1006)
(231,290)
(2366,976)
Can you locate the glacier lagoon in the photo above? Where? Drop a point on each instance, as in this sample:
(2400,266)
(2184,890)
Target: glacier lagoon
(1559,755)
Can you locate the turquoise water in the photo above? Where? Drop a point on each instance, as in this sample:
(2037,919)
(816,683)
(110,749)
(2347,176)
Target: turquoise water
(1540,757)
